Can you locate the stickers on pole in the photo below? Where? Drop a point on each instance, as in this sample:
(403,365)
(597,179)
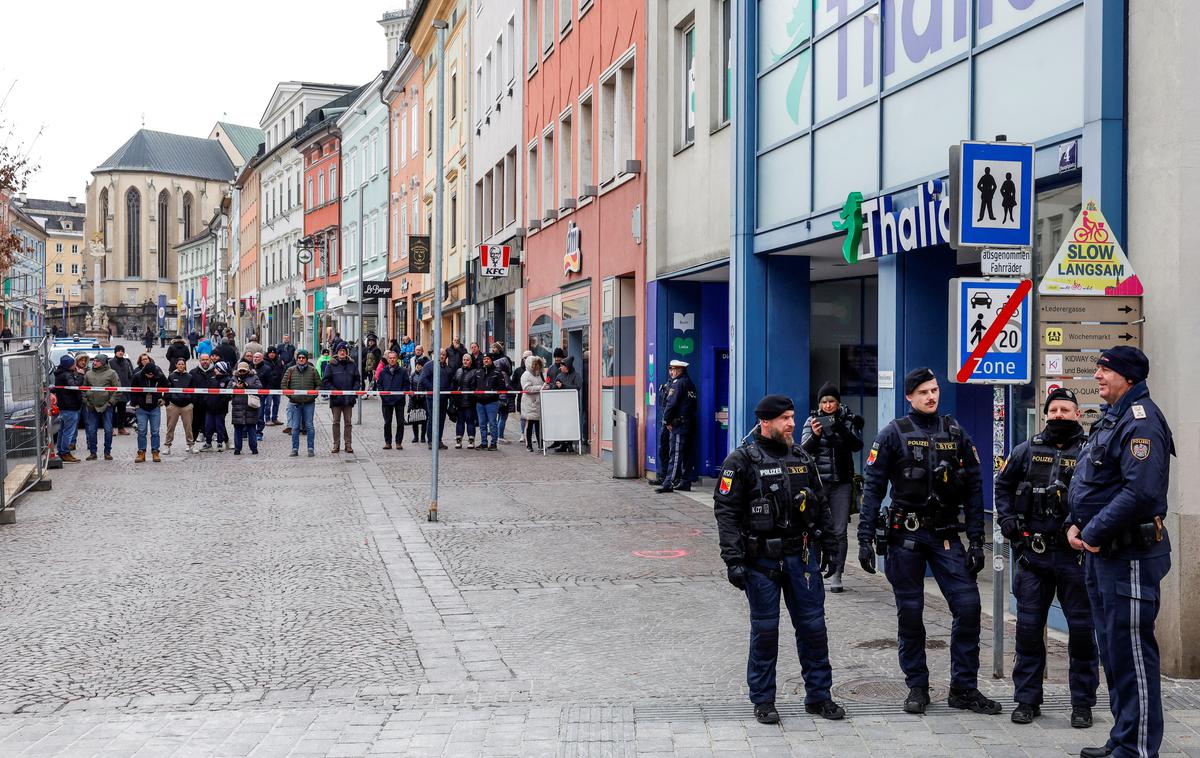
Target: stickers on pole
(1090,261)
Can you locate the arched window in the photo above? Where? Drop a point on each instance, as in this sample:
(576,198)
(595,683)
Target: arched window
(164,221)
(133,233)
(104,216)
(187,216)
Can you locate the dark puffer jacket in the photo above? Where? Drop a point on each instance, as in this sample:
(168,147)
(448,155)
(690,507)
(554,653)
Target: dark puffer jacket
(68,400)
(394,379)
(239,405)
(341,375)
(834,450)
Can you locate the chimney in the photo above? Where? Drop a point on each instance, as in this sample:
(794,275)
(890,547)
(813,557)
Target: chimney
(21,197)
(71,201)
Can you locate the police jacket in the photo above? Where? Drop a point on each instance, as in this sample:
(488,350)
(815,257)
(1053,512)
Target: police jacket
(834,450)
(766,490)
(906,454)
(393,379)
(1031,489)
(341,375)
(1122,476)
(680,407)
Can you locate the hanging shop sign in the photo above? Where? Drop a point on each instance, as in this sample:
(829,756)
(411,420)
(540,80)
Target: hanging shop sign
(1090,261)
(377,290)
(493,259)
(892,224)
(418,254)
(573,260)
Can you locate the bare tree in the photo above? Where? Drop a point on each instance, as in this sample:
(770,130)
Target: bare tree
(15,170)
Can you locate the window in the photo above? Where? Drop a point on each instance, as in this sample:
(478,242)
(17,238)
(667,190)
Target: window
(547,25)
(320,188)
(429,131)
(687,85)
(480,99)
(531,47)
(104,217)
(416,218)
(187,215)
(625,114)
(548,156)
(726,84)
(453,96)
(608,105)
(510,187)
(500,192)
(74,268)
(335,253)
(413,135)
(311,198)
(510,33)
(350,172)
(58,268)
(58,289)
(289,193)
(585,142)
(133,237)
(333,184)
(453,220)
(74,249)
(501,62)
(531,182)
(400,225)
(480,225)
(396,143)
(564,14)
(164,224)
(58,247)
(404,138)
(485,205)
(566,146)
(375,154)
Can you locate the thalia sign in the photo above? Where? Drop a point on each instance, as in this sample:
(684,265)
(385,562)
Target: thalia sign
(877,230)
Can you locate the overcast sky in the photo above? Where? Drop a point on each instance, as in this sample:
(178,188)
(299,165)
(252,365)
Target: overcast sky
(85,72)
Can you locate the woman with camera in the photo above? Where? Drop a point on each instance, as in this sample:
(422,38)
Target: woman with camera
(832,435)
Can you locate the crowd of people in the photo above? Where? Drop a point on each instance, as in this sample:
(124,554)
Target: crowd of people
(493,388)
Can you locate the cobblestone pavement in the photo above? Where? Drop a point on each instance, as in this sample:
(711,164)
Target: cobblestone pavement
(268,606)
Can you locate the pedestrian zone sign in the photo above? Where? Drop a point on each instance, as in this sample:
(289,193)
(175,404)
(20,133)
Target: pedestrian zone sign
(493,259)
(990,342)
(991,194)
(1090,261)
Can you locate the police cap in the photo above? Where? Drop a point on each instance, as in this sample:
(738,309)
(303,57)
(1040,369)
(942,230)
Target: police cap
(916,378)
(773,406)
(1059,393)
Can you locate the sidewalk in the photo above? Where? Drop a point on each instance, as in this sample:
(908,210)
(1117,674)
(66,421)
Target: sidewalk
(267,606)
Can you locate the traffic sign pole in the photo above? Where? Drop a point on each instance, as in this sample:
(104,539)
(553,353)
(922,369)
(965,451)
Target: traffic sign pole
(999,589)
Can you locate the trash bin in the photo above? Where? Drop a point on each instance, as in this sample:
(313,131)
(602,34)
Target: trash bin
(624,442)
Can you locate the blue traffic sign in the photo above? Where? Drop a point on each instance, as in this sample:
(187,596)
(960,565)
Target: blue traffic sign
(979,353)
(992,194)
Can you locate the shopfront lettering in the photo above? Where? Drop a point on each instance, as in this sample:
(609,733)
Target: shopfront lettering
(886,231)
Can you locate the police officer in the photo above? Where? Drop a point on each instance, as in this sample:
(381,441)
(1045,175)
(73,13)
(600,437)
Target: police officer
(1031,505)
(776,536)
(679,417)
(1117,500)
(933,469)
(664,435)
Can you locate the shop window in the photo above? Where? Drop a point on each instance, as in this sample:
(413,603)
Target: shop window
(586,125)
(687,85)
(548,156)
(783,25)
(566,146)
(784,101)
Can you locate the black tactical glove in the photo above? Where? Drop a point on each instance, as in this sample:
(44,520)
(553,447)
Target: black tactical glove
(975,556)
(1011,529)
(829,551)
(736,573)
(866,557)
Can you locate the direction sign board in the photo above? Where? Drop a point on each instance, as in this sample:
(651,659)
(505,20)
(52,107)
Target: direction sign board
(991,341)
(1006,261)
(493,259)
(1094,308)
(1089,336)
(1070,363)
(1087,391)
(991,194)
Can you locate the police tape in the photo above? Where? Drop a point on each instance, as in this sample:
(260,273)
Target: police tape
(286,393)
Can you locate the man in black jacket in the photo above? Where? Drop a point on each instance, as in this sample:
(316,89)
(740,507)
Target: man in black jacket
(124,368)
(342,373)
(832,435)
(179,406)
(270,374)
(226,351)
(567,378)
(178,349)
(490,381)
(203,377)
(679,417)
(70,405)
(147,406)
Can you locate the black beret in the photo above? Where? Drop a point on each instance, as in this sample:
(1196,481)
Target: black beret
(1127,361)
(828,389)
(1059,393)
(916,378)
(773,406)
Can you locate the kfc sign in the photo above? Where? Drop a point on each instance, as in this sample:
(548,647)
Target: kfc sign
(493,259)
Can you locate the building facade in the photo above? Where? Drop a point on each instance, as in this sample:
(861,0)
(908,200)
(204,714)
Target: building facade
(496,106)
(203,286)
(152,193)
(21,307)
(66,260)
(583,147)
(248,196)
(403,90)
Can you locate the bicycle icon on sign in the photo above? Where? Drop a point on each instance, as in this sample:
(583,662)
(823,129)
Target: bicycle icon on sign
(1091,231)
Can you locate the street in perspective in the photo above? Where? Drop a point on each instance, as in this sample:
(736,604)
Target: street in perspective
(598,378)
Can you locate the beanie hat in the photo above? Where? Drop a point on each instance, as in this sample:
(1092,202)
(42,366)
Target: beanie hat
(1059,393)
(773,406)
(67,361)
(828,390)
(558,353)
(1127,361)
(916,378)
(301,352)
(222,366)
(119,349)
(102,358)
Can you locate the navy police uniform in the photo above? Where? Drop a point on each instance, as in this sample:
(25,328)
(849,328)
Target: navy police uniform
(663,450)
(1031,505)
(933,469)
(1118,499)
(776,535)
(679,413)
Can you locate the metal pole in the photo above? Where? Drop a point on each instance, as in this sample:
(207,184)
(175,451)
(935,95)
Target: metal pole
(43,404)
(439,232)
(999,592)
(325,295)
(362,191)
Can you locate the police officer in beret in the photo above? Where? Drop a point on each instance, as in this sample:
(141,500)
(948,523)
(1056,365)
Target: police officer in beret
(777,536)
(1031,505)
(1117,501)
(933,469)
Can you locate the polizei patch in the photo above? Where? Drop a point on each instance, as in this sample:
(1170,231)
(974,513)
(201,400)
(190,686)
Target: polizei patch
(1140,447)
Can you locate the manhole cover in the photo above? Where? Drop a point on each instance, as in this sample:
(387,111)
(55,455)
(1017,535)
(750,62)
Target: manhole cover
(877,690)
(886,643)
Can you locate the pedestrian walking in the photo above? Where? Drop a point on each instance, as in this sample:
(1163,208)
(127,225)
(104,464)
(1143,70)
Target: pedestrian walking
(244,409)
(124,368)
(832,435)
(776,535)
(532,382)
(301,377)
(148,340)
(1031,507)
(70,404)
(466,417)
(393,378)
(179,406)
(679,417)
(342,374)
(148,406)
(6,336)
(98,405)
(1118,501)
(933,468)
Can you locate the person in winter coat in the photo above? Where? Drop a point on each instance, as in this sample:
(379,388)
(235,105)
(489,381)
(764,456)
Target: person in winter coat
(204,347)
(342,374)
(179,406)
(393,378)
(98,405)
(515,383)
(287,351)
(124,368)
(532,382)
(226,351)
(491,382)
(555,364)
(443,408)
(253,346)
(270,373)
(418,405)
(454,355)
(70,404)
(466,421)
(322,361)
(148,340)
(567,378)
(301,377)
(202,377)
(372,356)
(147,405)
(217,408)
(6,335)
(504,365)
(178,349)
(832,435)
(244,418)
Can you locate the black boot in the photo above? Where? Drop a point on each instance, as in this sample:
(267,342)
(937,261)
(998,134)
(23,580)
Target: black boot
(766,713)
(973,700)
(917,700)
(1081,717)
(1025,713)
(1097,752)
(826,709)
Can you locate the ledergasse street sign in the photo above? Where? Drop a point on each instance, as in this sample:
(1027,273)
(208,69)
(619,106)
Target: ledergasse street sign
(1006,262)
(1056,337)
(1095,308)
(1090,261)
(494,259)
(991,341)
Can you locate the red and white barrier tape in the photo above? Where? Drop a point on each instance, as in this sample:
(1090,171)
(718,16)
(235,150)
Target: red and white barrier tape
(234,391)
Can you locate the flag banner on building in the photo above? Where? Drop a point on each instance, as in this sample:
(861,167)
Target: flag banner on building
(418,253)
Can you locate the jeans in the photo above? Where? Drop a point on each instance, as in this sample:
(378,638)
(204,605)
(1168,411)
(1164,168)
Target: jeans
(303,415)
(467,422)
(393,415)
(245,431)
(148,420)
(501,421)
(429,421)
(92,420)
(214,425)
(269,410)
(68,422)
(488,414)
